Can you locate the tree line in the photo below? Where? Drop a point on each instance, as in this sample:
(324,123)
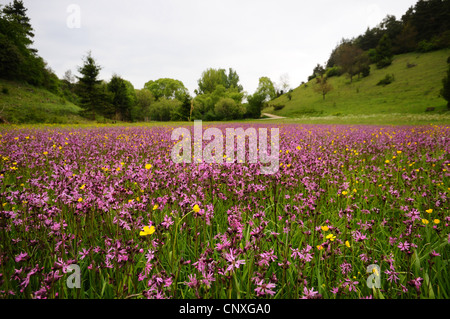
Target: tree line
(219,96)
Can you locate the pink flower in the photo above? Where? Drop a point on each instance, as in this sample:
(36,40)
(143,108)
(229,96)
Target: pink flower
(310,294)
(21,257)
(233,262)
(264,288)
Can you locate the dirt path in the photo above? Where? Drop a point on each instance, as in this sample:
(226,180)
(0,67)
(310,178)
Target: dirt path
(272,117)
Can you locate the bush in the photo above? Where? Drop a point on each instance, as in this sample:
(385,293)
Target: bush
(289,95)
(228,109)
(365,72)
(372,53)
(426,46)
(384,63)
(334,71)
(5,90)
(277,107)
(388,79)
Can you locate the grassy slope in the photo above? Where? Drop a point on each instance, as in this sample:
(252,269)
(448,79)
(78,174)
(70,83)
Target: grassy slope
(413,91)
(27,104)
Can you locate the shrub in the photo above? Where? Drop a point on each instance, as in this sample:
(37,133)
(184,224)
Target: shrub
(228,109)
(5,90)
(334,71)
(388,79)
(277,107)
(426,46)
(289,95)
(384,63)
(365,72)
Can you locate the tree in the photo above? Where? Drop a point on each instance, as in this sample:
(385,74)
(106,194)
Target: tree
(144,98)
(69,77)
(228,109)
(283,85)
(391,26)
(445,91)
(213,86)
(256,103)
(266,88)
(232,80)
(322,86)
(406,40)
(88,86)
(164,109)
(369,39)
(384,53)
(211,78)
(348,57)
(167,88)
(20,29)
(121,99)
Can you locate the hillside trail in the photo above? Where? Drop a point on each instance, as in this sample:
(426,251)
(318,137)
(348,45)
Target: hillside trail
(272,117)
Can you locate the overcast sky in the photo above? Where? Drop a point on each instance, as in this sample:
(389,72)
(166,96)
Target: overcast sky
(147,40)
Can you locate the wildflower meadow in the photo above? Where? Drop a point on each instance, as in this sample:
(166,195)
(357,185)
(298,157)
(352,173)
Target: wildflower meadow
(351,212)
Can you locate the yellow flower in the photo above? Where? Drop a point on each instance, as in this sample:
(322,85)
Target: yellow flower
(436,221)
(319,247)
(324,228)
(83,186)
(386,161)
(196,208)
(45,153)
(148,166)
(155,207)
(425,221)
(147,231)
(344,193)
(429,211)
(80,200)
(331,237)
(347,243)
(399,152)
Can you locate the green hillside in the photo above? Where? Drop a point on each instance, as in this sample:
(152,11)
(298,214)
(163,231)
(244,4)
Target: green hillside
(23,103)
(415,90)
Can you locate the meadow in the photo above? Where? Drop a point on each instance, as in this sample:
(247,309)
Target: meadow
(349,203)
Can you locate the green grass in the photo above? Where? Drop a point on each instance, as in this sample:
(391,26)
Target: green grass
(23,103)
(414,90)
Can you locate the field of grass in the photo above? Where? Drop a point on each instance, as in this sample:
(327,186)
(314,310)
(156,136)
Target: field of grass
(413,91)
(349,205)
(23,103)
